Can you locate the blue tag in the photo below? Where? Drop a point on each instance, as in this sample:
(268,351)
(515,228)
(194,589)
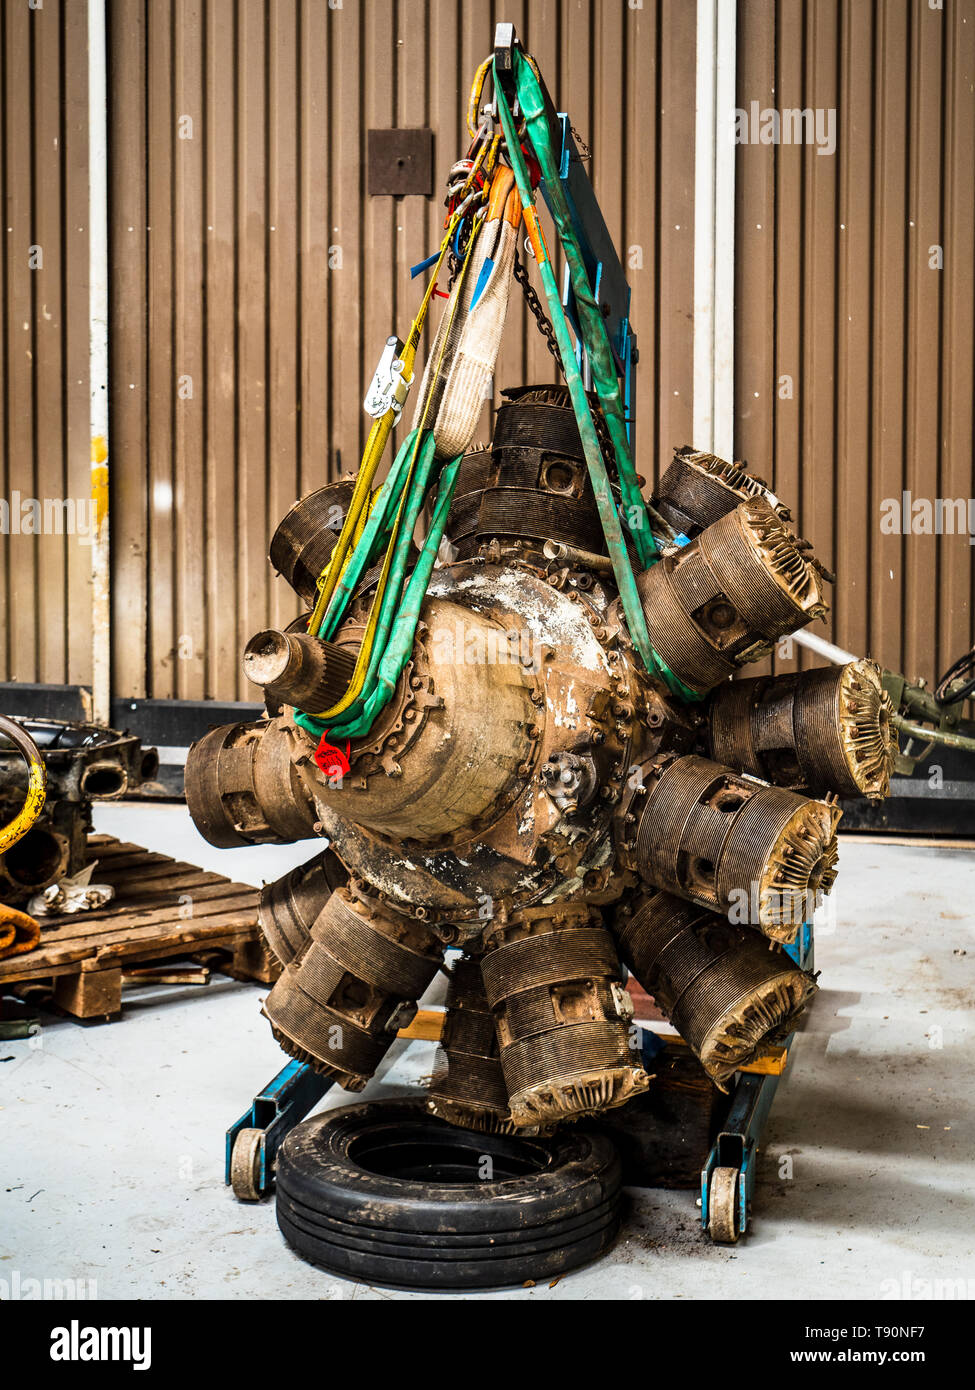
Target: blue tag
(482,280)
(424,265)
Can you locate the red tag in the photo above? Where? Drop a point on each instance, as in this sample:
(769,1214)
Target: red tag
(441,294)
(534,168)
(332,761)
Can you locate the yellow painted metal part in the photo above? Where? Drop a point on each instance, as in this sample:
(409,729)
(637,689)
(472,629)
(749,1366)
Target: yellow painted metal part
(426,1026)
(99,477)
(36,785)
(772,1064)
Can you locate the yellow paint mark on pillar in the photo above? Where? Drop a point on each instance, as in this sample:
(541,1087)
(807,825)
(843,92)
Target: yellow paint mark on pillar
(99,477)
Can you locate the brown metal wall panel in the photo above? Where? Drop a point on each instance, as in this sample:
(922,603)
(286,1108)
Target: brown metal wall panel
(254,282)
(45,578)
(956,577)
(253,295)
(891,212)
(77,431)
(755,246)
(128,347)
(674,203)
(20,551)
(218,529)
(189,319)
(878,342)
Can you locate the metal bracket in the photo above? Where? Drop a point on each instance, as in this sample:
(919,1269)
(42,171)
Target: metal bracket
(736,1146)
(389,388)
(400,163)
(282,1104)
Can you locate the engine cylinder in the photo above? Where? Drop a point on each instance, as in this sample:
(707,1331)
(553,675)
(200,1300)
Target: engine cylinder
(722,601)
(305,538)
(532,483)
(725,992)
(289,906)
(760,854)
(552,978)
(471,1091)
(242,787)
(339,1004)
(821,731)
(698,489)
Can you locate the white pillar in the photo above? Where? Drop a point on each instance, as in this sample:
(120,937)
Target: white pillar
(714,229)
(98,357)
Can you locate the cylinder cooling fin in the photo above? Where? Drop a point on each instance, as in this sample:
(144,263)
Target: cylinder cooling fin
(552,977)
(700,488)
(759,854)
(306,536)
(289,906)
(821,731)
(470,1090)
(722,601)
(339,1004)
(728,995)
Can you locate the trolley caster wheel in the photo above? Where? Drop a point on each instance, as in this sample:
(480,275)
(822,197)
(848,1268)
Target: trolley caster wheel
(723,1206)
(245,1165)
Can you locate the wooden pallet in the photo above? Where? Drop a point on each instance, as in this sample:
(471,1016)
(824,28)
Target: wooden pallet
(162,909)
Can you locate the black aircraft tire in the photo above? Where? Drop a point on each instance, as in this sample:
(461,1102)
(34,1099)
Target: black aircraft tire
(386,1193)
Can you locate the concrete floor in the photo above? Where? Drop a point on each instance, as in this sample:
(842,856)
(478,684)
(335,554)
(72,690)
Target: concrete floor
(111,1136)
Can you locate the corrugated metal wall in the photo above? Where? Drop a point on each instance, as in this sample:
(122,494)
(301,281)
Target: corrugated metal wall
(255,282)
(838,290)
(45,611)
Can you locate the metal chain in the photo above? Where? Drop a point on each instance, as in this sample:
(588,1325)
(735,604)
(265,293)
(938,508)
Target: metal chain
(535,308)
(584,151)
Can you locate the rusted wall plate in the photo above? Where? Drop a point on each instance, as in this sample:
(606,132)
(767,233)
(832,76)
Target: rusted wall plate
(400,162)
